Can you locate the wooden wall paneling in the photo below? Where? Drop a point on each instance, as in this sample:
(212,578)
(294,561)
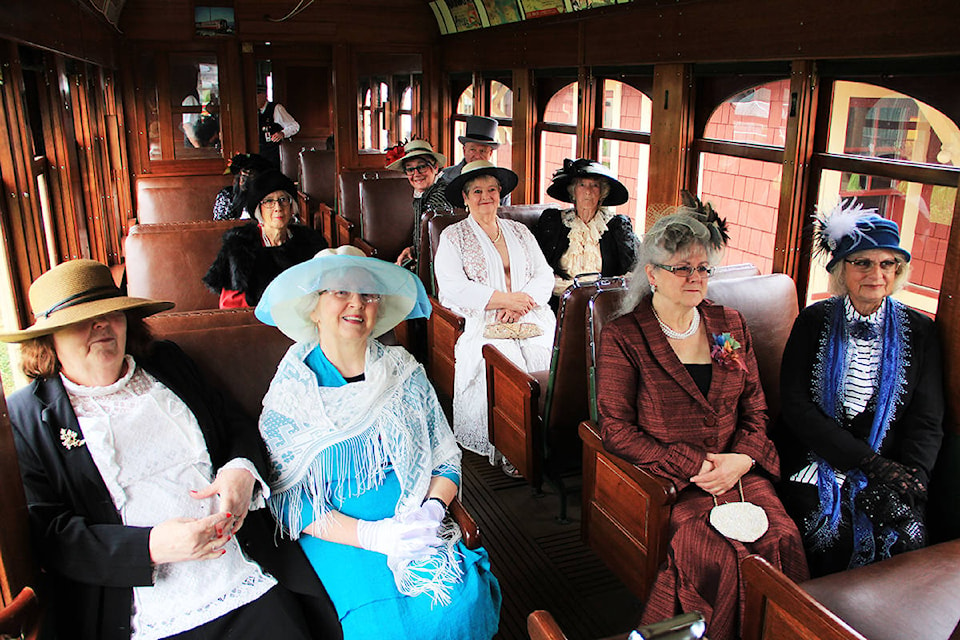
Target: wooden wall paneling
(22,225)
(164,117)
(71,174)
(524,136)
(87,165)
(345,82)
(248,73)
(948,320)
(432,104)
(232,111)
(66,26)
(100,95)
(798,150)
(670,135)
(118,154)
(586,113)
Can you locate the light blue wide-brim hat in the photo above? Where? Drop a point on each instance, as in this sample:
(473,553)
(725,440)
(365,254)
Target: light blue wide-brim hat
(292,296)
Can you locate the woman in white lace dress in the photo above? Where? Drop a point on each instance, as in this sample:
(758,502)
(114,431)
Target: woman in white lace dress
(137,475)
(491,271)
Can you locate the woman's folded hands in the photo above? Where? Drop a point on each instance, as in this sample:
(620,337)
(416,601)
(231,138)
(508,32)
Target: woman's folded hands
(409,536)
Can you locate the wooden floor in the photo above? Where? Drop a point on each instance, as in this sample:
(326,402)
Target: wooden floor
(542,564)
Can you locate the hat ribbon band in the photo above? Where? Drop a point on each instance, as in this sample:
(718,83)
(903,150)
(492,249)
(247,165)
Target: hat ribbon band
(90,295)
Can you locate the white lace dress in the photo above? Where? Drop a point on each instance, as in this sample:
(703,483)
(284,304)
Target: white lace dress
(468,270)
(150,452)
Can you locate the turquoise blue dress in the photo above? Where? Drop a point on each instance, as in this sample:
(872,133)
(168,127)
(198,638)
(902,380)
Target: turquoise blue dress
(362,586)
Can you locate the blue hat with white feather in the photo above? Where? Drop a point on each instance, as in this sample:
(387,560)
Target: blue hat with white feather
(849,228)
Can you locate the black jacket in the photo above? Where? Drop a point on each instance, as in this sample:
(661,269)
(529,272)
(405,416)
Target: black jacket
(245,265)
(618,245)
(916,429)
(91,559)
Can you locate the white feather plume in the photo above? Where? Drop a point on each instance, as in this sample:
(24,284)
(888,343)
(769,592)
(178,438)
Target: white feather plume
(831,228)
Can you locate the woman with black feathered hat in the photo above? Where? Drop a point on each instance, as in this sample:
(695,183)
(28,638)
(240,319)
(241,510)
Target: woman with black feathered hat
(679,395)
(862,393)
(231,202)
(586,238)
(253,255)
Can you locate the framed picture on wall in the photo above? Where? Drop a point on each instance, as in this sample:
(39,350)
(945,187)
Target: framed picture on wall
(214,21)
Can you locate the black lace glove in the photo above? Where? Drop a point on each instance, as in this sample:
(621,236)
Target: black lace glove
(900,478)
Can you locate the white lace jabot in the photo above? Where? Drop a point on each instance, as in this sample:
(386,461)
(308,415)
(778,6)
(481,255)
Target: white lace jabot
(583,254)
(150,452)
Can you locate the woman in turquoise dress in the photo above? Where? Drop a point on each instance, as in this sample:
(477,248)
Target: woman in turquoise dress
(364,463)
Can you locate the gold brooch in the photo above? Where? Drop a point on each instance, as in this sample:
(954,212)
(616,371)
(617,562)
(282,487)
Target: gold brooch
(70,439)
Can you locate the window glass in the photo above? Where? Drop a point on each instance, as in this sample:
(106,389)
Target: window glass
(630,162)
(465,103)
(503,155)
(924,213)
(747,194)
(195,105)
(554,147)
(867,120)
(501,100)
(562,108)
(755,116)
(625,108)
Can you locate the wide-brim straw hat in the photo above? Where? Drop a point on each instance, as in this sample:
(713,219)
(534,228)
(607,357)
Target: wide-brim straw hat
(454,191)
(292,296)
(482,130)
(76,291)
(583,168)
(416,148)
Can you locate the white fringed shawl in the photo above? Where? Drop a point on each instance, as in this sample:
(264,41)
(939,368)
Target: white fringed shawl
(391,417)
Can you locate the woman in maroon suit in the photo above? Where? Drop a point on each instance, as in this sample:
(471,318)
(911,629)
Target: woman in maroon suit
(680,396)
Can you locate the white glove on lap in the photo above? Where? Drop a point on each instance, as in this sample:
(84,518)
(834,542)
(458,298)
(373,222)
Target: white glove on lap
(430,511)
(397,539)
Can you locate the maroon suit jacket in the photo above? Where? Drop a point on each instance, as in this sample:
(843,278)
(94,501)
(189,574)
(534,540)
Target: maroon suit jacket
(651,411)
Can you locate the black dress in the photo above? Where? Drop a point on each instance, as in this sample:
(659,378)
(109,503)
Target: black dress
(618,245)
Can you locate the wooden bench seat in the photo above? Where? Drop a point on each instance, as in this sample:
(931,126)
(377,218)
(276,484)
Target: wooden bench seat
(162,199)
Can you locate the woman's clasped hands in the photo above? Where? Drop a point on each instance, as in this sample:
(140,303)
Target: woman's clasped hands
(409,536)
(720,472)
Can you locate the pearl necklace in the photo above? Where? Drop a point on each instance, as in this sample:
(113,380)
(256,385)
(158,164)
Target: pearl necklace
(499,234)
(677,335)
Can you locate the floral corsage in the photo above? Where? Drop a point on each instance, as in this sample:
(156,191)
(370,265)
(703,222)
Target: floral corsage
(726,352)
(70,439)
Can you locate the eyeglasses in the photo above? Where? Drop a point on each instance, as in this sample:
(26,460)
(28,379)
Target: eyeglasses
(865,265)
(417,168)
(685,271)
(367,298)
(283,201)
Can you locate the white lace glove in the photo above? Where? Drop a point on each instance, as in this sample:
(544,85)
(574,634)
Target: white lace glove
(431,511)
(398,539)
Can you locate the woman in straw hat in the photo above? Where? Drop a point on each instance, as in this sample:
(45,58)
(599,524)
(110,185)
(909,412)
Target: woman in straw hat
(364,463)
(253,254)
(587,237)
(492,272)
(422,165)
(137,476)
(862,395)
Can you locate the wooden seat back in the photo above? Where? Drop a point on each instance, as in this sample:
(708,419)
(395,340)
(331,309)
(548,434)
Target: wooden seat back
(528,214)
(348,199)
(236,352)
(777,609)
(386,216)
(290,154)
(318,181)
(167,261)
(178,198)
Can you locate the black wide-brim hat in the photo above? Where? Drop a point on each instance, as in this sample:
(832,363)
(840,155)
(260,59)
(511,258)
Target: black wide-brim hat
(265,184)
(583,168)
(508,180)
(76,291)
(252,162)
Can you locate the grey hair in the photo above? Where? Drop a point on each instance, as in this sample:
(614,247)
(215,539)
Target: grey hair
(604,186)
(674,235)
(837,284)
(470,181)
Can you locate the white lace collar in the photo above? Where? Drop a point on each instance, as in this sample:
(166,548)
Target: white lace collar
(85,391)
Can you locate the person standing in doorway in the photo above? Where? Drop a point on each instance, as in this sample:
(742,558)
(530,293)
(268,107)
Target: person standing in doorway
(276,124)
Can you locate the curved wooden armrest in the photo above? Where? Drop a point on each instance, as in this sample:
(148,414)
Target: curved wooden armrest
(366,247)
(468,526)
(542,626)
(345,230)
(444,327)
(456,321)
(21,618)
(661,491)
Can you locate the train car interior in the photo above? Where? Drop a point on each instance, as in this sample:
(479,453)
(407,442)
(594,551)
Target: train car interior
(120,120)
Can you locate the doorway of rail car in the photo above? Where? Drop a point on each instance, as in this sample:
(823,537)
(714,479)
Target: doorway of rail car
(300,78)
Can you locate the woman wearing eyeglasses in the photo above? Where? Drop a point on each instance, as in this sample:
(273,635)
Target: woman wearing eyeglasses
(253,255)
(422,165)
(679,395)
(862,391)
